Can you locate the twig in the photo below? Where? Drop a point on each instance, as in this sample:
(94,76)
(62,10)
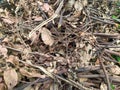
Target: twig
(114,79)
(73,83)
(91,68)
(112,52)
(106,35)
(108,22)
(105,72)
(55,15)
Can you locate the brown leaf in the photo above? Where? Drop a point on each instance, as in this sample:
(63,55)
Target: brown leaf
(47,37)
(10,78)
(46,7)
(8,21)
(115,70)
(26,73)
(13,59)
(34,38)
(37,18)
(2,86)
(3,51)
(103,86)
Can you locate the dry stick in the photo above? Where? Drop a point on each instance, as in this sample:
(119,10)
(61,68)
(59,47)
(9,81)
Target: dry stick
(112,52)
(55,15)
(79,86)
(105,72)
(105,35)
(114,79)
(108,22)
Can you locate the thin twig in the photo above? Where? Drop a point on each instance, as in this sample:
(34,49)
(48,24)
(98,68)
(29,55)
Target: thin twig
(55,15)
(105,72)
(98,19)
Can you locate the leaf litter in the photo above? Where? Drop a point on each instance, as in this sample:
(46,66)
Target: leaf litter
(59,45)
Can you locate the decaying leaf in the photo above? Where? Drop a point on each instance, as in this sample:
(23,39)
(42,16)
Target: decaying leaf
(69,4)
(54,86)
(3,51)
(115,70)
(10,78)
(29,88)
(34,38)
(8,21)
(26,73)
(2,86)
(13,59)
(103,86)
(47,37)
(78,6)
(86,55)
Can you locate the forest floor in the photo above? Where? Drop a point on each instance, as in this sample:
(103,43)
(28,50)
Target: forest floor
(59,45)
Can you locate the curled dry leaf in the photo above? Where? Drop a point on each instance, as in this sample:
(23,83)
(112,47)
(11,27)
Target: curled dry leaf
(47,37)
(10,78)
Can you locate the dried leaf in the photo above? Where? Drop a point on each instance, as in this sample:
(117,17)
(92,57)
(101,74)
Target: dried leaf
(29,88)
(85,2)
(34,38)
(10,78)
(46,7)
(2,86)
(3,51)
(86,55)
(103,86)
(115,70)
(37,18)
(54,86)
(26,73)
(8,21)
(13,59)
(47,37)
(78,6)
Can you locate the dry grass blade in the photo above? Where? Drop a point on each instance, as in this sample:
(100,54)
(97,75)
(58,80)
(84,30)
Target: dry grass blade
(55,15)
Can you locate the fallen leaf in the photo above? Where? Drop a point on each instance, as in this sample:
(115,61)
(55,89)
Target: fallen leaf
(8,21)
(115,70)
(34,38)
(10,78)
(2,86)
(37,18)
(46,7)
(26,73)
(13,59)
(85,2)
(29,87)
(54,86)
(3,51)
(47,37)
(78,6)
(103,86)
